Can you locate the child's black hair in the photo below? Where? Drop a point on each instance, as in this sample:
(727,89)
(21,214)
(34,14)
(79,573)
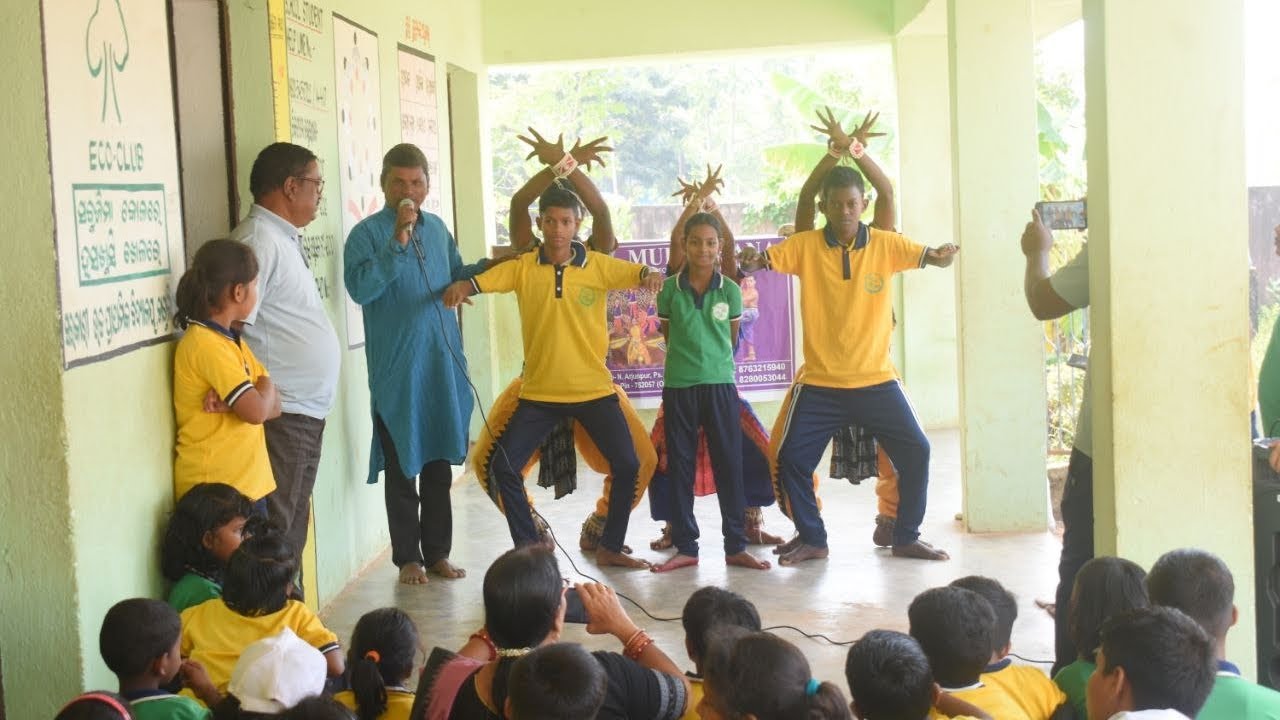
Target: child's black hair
(1104,586)
(956,629)
(560,681)
(1199,584)
(205,508)
(703,218)
(889,676)
(561,197)
(842,176)
(259,575)
(768,677)
(522,594)
(1168,659)
(317,707)
(1002,601)
(134,633)
(710,609)
(384,646)
(217,266)
(96,705)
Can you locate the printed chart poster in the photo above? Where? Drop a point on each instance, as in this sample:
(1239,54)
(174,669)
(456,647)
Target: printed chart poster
(302,87)
(766,343)
(117,216)
(356,78)
(419,115)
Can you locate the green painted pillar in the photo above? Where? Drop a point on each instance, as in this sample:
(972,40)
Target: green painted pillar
(925,200)
(40,643)
(995,175)
(1169,285)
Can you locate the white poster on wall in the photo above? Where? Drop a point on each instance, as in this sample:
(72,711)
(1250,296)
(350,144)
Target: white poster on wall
(419,118)
(356,78)
(113,151)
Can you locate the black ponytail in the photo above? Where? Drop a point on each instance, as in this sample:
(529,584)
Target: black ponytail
(217,266)
(383,648)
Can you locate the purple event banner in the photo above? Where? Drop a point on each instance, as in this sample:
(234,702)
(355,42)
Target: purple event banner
(766,344)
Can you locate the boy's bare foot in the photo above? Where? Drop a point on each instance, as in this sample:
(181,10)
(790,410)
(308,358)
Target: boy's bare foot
(609,558)
(801,553)
(676,562)
(747,560)
(883,535)
(757,536)
(920,550)
(664,541)
(788,546)
(447,570)
(413,574)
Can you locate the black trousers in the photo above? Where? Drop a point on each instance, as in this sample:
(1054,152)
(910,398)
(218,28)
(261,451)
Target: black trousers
(1077,549)
(419,519)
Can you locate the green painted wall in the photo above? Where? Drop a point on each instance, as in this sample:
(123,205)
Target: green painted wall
(89,451)
(350,521)
(40,647)
(518,32)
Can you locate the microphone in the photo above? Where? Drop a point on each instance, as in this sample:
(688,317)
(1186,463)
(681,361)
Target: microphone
(413,239)
(408,203)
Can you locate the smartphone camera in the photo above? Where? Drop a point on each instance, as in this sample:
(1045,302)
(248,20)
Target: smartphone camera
(1063,214)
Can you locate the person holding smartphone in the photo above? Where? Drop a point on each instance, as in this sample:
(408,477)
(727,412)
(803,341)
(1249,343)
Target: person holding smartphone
(1050,296)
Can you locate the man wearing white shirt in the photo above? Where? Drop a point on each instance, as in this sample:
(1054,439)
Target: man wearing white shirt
(289,330)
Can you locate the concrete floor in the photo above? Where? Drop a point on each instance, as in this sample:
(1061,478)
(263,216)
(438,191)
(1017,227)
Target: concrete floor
(859,588)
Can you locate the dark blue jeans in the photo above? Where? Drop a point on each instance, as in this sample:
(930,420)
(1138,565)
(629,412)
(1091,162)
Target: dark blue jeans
(714,410)
(603,420)
(816,413)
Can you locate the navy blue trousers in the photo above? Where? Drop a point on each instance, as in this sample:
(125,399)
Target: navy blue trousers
(816,413)
(714,409)
(603,420)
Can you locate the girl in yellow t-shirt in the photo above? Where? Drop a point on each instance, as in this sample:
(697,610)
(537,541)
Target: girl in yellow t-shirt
(221,393)
(384,648)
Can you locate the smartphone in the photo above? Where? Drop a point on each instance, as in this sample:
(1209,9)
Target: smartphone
(1063,214)
(575,612)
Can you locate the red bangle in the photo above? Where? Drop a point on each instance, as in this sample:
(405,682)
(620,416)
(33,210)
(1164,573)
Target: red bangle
(483,636)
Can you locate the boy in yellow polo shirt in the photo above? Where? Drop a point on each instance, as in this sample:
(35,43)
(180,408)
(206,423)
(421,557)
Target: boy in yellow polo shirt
(562,293)
(845,270)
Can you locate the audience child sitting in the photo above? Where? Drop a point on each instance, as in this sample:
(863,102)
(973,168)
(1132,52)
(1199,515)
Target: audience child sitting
(96,705)
(272,675)
(1153,664)
(1029,687)
(1199,584)
(560,681)
(762,676)
(1104,586)
(524,609)
(890,679)
(207,525)
(384,646)
(707,612)
(255,604)
(318,707)
(139,642)
(956,628)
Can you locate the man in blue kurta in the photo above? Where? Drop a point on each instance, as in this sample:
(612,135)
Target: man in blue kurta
(398,263)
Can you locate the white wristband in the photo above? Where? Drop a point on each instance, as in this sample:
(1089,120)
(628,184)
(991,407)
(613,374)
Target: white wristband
(566,166)
(856,149)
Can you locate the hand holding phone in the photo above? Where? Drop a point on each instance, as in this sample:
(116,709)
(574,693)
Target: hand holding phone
(574,612)
(1063,214)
